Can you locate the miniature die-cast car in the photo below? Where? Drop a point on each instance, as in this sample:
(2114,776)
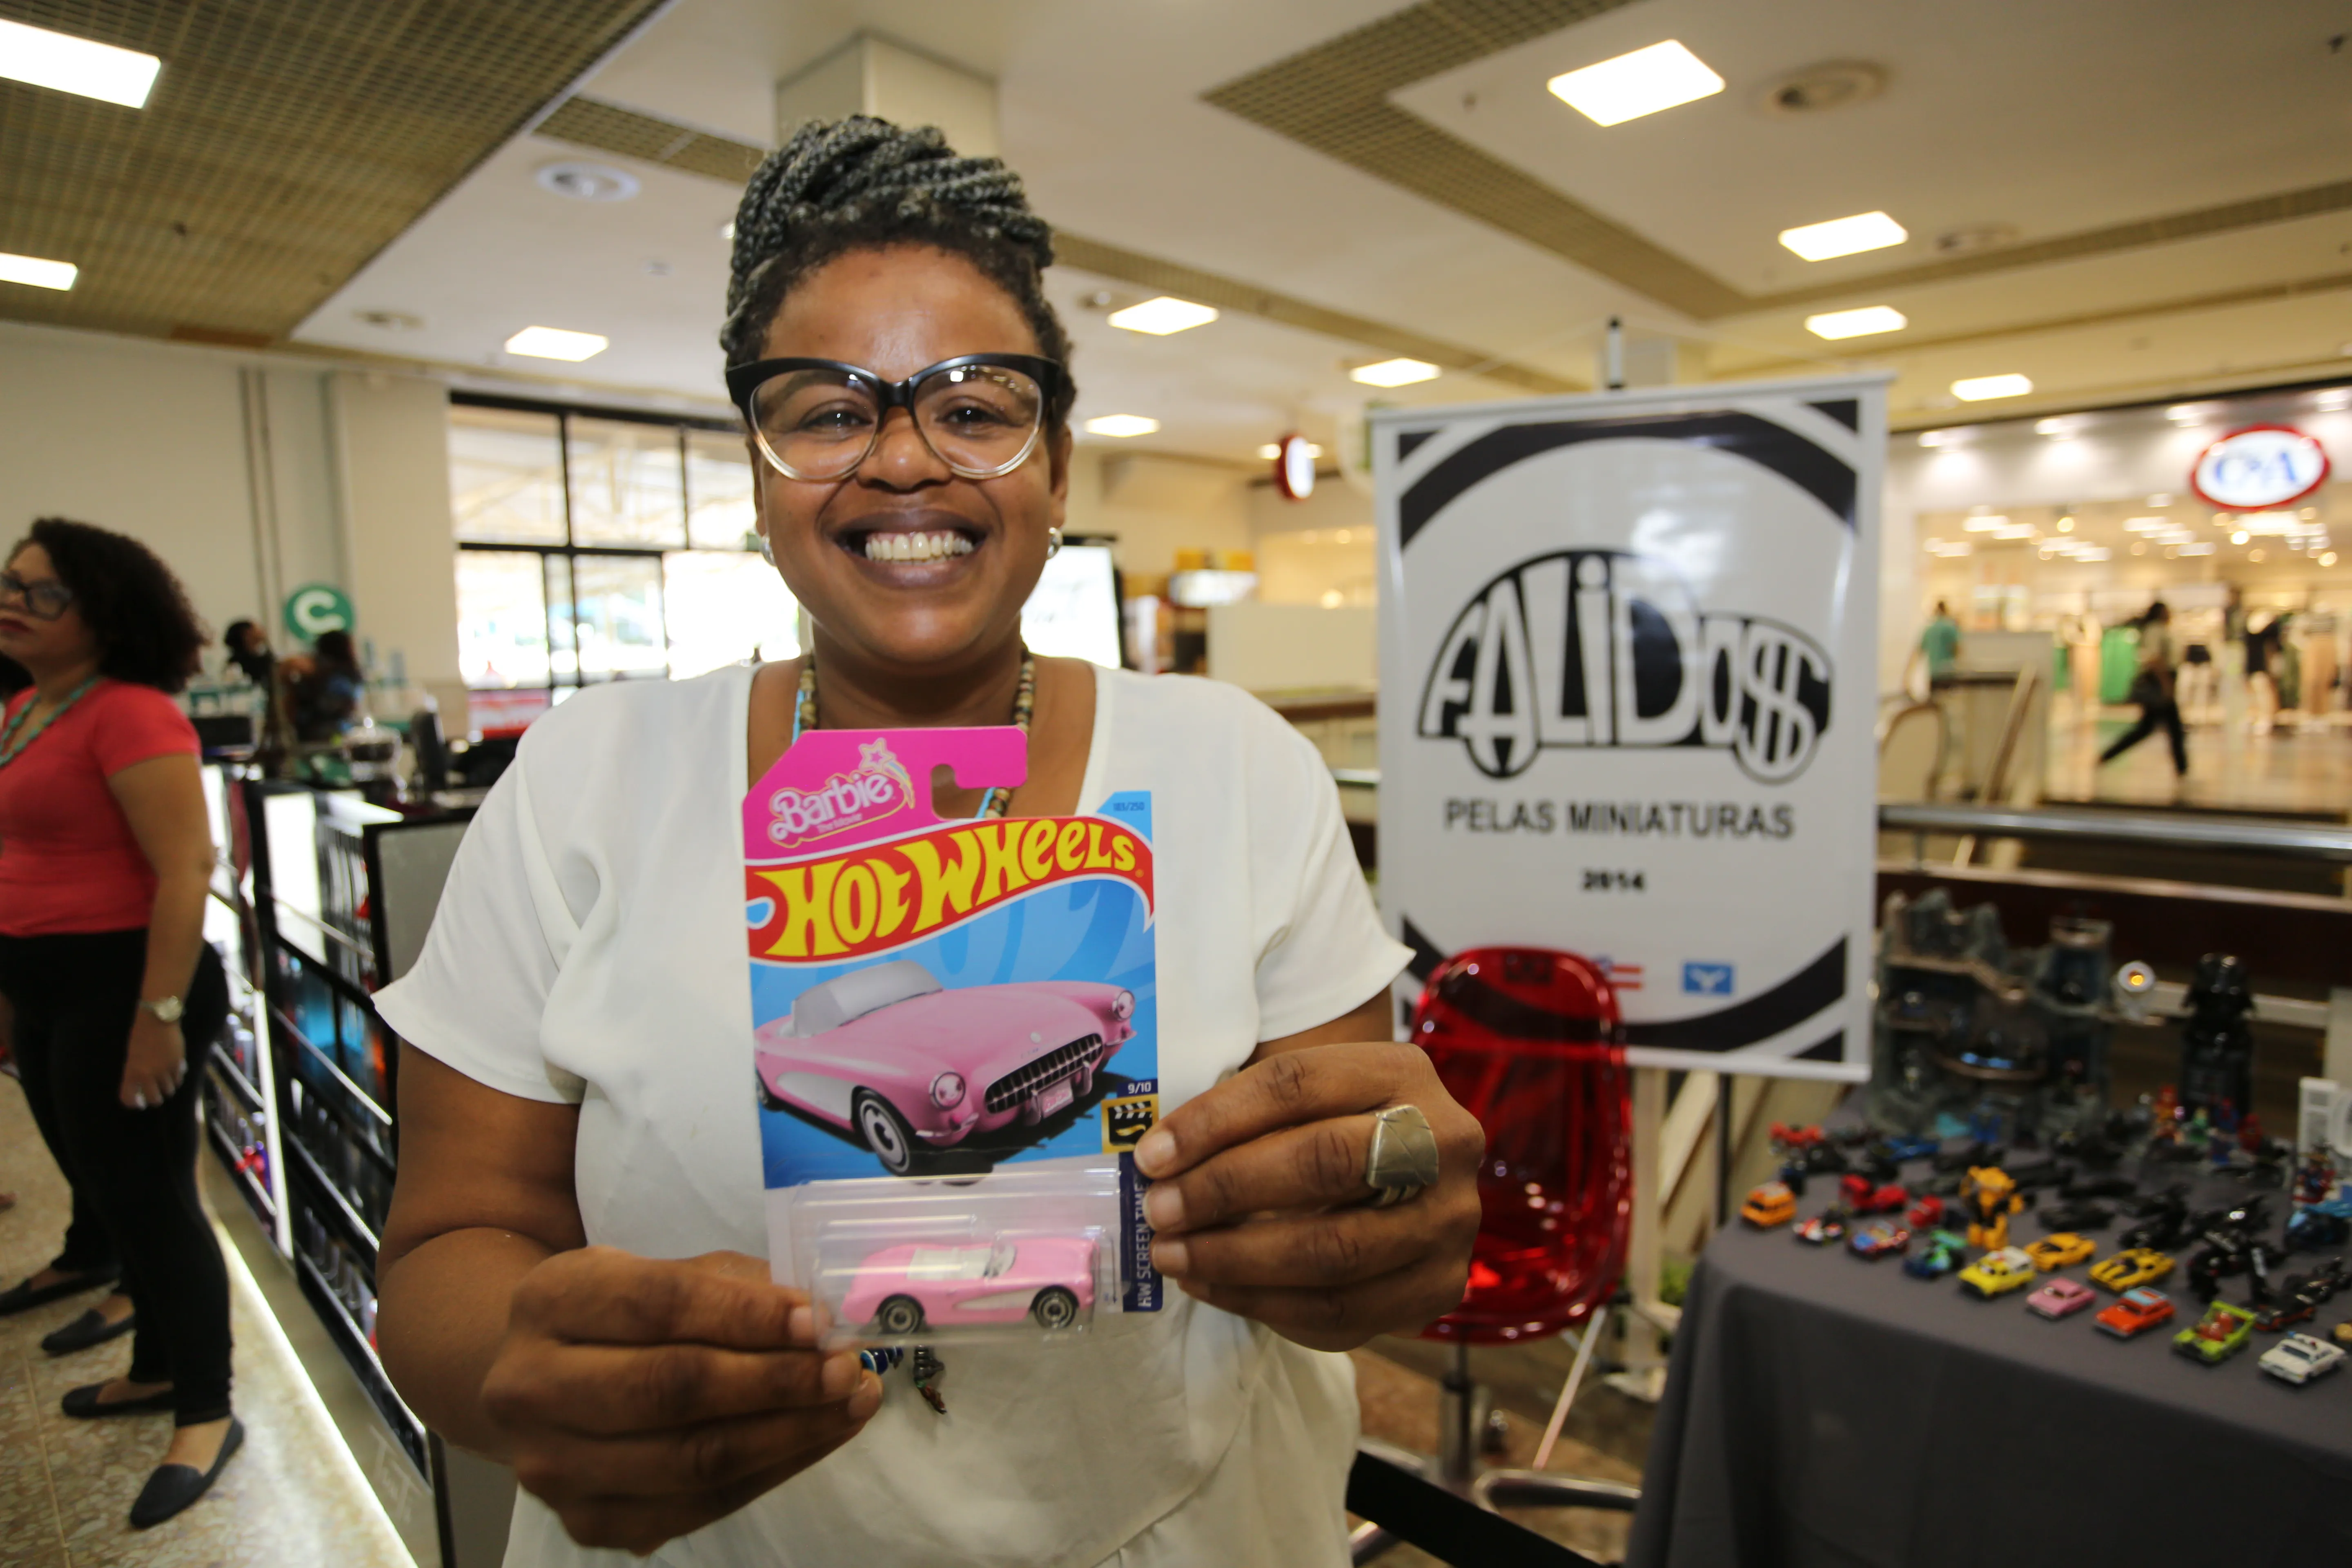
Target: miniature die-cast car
(2317,1284)
(1876,1239)
(2286,1313)
(1769,1204)
(2319,1225)
(2300,1358)
(1862,1198)
(1822,1228)
(909,1065)
(2216,1336)
(2343,1332)
(905,1288)
(2132,1267)
(1941,1254)
(1998,1273)
(1904,1147)
(1928,1214)
(2061,1298)
(2137,1312)
(2058,1251)
(2085,1214)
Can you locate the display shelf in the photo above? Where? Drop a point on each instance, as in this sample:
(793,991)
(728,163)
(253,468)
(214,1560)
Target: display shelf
(336,1207)
(232,1157)
(231,1074)
(364,1362)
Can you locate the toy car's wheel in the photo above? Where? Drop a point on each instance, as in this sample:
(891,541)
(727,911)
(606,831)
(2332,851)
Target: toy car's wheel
(769,1099)
(885,1131)
(900,1315)
(1054,1308)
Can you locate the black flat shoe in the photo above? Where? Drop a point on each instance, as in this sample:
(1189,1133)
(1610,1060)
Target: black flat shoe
(83,1403)
(91,1329)
(24,1295)
(174,1487)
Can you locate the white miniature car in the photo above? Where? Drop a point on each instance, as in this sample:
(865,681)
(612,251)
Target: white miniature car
(2300,1358)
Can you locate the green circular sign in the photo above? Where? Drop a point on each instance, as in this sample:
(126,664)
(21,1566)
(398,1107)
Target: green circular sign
(317,607)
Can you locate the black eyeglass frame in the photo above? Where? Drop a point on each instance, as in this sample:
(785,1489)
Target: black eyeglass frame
(15,587)
(744,381)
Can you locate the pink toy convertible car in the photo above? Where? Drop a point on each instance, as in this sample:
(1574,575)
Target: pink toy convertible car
(904,1289)
(910,1065)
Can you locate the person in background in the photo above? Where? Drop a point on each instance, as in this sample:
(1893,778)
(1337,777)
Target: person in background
(248,650)
(2262,682)
(324,688)
(1940,643)
(2152,690)
(105,858)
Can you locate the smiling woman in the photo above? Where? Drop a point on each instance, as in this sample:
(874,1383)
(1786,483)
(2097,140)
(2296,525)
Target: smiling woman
(579,1066)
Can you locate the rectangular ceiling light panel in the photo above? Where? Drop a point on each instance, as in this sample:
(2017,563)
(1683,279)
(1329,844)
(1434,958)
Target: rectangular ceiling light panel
(1393,373)
(1979,388)
(1631,86)
(69,64)
(554,343)
(40,274)
(1162,316)
(1843,236)
(1122,425)
(1859,323)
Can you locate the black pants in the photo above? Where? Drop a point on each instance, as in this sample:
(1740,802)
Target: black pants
(75,998)
(2165,713)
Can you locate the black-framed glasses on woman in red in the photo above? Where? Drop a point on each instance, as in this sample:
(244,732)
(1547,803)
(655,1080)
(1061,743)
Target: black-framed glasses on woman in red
(817,418)
(45,600)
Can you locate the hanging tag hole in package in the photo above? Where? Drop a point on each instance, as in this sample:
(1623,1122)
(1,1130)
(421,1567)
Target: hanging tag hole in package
(955,1042)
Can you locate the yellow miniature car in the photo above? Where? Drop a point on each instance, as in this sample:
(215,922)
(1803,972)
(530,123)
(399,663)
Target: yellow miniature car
(1998,1273)
(2130,1269)
(1770,1205)
(2052,1252)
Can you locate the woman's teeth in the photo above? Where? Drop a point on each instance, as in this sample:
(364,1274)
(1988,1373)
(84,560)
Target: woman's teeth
(915,546)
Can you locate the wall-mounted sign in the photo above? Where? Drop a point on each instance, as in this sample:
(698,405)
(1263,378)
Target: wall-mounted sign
(1294,467)
(315,608)
(2260,466)
(1628,682)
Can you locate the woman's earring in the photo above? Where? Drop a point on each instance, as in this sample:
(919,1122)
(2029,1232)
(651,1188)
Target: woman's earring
(1052,542)
(767,551)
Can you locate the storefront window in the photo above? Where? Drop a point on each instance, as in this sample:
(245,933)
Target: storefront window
(569,566)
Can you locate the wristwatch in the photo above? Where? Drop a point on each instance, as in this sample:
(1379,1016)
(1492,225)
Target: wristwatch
(167,1009)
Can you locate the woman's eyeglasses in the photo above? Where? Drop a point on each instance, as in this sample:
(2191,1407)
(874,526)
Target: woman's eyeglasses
(817,418)
(46,600)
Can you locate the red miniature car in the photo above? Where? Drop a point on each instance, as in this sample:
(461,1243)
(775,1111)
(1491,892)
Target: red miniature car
(1862,1198)
(2135,1312)
(1928,1214)
(2285,1314)
(1785,1136)
(1822,1228)
(1878,1238)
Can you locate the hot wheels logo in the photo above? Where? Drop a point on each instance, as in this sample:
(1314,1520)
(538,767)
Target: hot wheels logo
(871,899)
(1601,648)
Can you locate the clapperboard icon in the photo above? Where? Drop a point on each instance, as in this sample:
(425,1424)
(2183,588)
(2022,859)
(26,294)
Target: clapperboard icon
(1126,1119)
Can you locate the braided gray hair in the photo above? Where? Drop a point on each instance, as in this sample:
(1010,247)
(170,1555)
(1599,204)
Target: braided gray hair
(864,184)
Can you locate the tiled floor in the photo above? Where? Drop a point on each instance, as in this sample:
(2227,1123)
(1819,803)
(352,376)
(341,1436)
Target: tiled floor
(292,1496)
(2287,771)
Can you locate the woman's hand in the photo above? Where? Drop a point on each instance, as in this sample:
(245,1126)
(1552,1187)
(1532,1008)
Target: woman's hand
(646,1398)
(155,1062)
(1259,1187)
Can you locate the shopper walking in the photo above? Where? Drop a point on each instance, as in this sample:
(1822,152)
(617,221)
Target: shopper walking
(1939,643)
(105,857)
(576,1026)
(2153,687)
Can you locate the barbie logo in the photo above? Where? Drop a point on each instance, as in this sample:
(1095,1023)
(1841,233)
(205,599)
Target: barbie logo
(878,787)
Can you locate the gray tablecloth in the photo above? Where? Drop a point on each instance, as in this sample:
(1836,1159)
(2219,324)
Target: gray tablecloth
(1825,1411)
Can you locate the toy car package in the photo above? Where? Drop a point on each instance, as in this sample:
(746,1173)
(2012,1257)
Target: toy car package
(955,1040)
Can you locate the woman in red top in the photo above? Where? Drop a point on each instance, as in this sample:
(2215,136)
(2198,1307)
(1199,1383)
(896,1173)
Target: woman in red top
(105,857)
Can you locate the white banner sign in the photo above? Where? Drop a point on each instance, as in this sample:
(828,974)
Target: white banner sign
(1628,688)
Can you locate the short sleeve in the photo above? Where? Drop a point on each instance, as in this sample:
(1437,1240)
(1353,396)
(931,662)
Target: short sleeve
(1322,952)
(139,722)
(476,995)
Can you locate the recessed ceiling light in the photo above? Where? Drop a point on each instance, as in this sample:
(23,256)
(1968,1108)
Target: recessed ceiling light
(2205,548)
(2066,525)
(1393,373)
(2254,555)
(1273,449)
(1985,523)
(554,343)
(2056,429)
(1979,388)
(2326,559)
(1939,438)
(60,60)
(1843,236)
(2239,537)
(40,274)
(1858,324)
(587,181)
(1631,86)
(1122,425)
(2094,553)
(1162,316)
(2335,397)
(388,320)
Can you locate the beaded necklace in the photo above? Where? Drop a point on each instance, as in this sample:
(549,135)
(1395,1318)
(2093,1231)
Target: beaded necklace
(997,801)
(11,748)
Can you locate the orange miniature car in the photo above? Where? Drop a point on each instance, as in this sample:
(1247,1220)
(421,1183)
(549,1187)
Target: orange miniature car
(1770,1205)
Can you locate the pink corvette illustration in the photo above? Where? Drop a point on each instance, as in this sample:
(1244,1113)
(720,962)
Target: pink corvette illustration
(910,1065)
(906,1289)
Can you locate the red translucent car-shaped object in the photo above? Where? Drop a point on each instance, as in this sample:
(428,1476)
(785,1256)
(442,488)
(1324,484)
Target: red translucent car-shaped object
(905,1290)
(910,1065)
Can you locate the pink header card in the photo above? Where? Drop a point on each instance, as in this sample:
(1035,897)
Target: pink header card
(835,789)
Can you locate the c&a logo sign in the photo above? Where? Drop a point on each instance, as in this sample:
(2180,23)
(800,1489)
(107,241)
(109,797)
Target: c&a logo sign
(1602,647)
